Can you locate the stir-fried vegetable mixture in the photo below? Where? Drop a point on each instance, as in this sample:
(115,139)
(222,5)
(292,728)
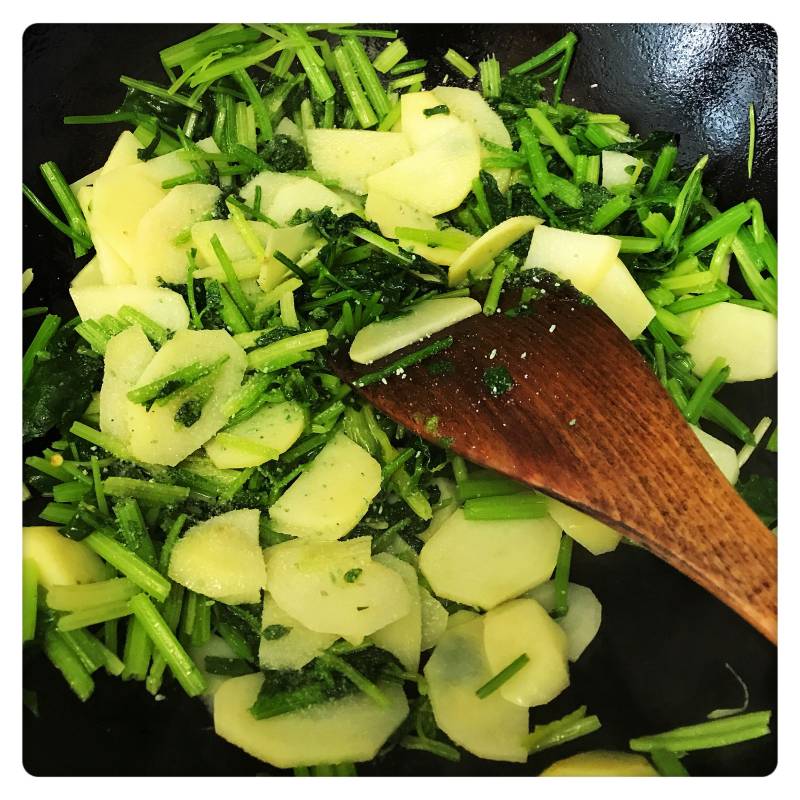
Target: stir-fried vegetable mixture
(225,517)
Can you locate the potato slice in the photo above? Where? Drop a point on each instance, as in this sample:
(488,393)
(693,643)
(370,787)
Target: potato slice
(163,306)
(403,638)
(270,184)
(447,506)
(583,258)
(420,130)
(482,251)
(288,128)
(389,213)
(221,558)
(217,647)
(61,561)
(379,339)
(156,437)
(524,627)
(485,563)
(296,648)
(602,763)
(583,617)
(469,106)
(745,337)
(349,157)
(335,587)
(434,619)
(90,275)
(156,255)
(587,531)
(305,194)
(124,153)
(332,495)
(114,269)
(293,242)
(490,727)
(620,298)
(723,455)
(126,358)
(245,262)
(272,430)
(353,728)
(619,169)
(437,178)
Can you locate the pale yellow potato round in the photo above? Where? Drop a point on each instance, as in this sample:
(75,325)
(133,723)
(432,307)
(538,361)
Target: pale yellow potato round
(484,563)
(217,647)
(270,184)
(90,275)
(745,337)
(379,339)
(619,169)
(245,262)
(352,729)
(434,619)
(403,638)
(388,214)
(294,650)
(332,495)
(349,157)
(587,531)
(420,130)
(620,298)
(489,727)
(124,153)
(307,580)
(305,194)
(437,178)
(722,454)
(524,627)
(272,428)
(61,561)
(582,620)
(156,437)
(162,305)
(602,763)
(156,255)
(126,358)
(221,558)
(482,251)
(583,258)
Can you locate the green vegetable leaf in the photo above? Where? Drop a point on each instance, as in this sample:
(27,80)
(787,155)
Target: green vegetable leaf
(760,492)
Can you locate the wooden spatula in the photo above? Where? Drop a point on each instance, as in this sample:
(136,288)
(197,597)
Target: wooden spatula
(588,423)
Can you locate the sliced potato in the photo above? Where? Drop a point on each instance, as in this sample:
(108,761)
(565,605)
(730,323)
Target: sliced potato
(335,587)
(388,213)
(723,455)
(403,638)
(583,258)
(294,649)
(745,337)
(587,531)
(305,194)
(620,298)
(489,727)
(619,169)
(443,256)
(602,763)
(485,563)
(524,627)
(245,262)
(113,268)
(270,184)
(156,254)
(124,153)
(272,430)
(583,617)
(221,558)
(61,561)
(349,157)
(482,251)
(293,242)
(163,306)
(156,437)
(421,130)
(332,495)
(447,505)
(469,106)
(90,275)
(217,647)
(288,128)
(379,339)
(434,619)
(352,729)
(126,358)
(437,178)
